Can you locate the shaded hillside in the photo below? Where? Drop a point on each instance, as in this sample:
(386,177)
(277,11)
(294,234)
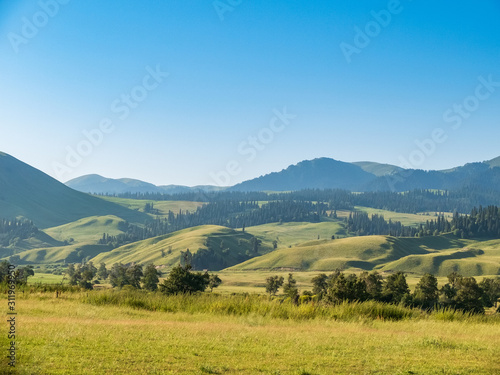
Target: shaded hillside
(30,193)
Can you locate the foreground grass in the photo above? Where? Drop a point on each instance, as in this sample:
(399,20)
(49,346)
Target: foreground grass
(69,336)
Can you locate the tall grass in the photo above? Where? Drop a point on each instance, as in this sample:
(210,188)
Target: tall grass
(273,308)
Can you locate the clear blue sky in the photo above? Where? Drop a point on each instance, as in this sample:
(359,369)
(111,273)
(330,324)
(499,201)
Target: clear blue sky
(230,68)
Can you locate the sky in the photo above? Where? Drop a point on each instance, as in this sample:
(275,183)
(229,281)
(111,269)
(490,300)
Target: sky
(217,92)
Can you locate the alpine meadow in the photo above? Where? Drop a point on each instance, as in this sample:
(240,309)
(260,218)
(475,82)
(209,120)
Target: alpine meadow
(233,187)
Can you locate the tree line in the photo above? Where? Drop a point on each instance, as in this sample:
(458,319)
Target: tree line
(412,201)
(460,293)
(180,279)
(14,230)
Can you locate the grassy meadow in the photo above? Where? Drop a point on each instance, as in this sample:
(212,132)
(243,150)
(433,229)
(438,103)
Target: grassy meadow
(162,206)
(88,333)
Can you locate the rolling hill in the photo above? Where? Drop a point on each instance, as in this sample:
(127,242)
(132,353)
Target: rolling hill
(89,229)
(30,193)
(437,255)
(166,250)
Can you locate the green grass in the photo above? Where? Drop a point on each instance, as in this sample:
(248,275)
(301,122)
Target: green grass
(439,255)
(289,234)
(405,219)
(45,278)
(150,250)
(68,336)
(328,255)
(69,254)
(89,229)
(162,206)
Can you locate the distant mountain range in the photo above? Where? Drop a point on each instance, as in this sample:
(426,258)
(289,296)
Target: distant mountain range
(369,176)
(96,184)
(321,173)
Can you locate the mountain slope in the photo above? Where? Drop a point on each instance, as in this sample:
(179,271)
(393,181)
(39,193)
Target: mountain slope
(28,192)
(378,169)
(322,173)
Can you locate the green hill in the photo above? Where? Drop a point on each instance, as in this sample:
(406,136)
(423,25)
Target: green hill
(30,193)
(328,255)
(166,250)
(89,229)
(289,234)
(64,254)
(476,258)
(439,255)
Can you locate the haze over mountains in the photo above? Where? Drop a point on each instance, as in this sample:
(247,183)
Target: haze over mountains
(321,173)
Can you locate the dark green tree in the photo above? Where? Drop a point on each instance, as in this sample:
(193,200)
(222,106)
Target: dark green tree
(134,275)
(273,283)
(181,280)
(395,288)
(491,291)
(151,279)
(320,285)
(290,289)
(118,275)
(214,281)
(374,283)
(102,272)
(426,292)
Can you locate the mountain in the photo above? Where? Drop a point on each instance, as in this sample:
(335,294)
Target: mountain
(369,176)
(476,175)
(322,173)
(30,193)
(378,169)
(94,183)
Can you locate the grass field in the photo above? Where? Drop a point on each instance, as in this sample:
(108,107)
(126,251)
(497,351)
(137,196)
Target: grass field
(66,336)
(162,206)
(405,219)
(290,234)
(150,250)
(88,229)
(70,254)
(46,278)
(438,255)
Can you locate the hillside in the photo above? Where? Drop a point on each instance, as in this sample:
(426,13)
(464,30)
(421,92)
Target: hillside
(438,255)
(166,250)
(290,234)
(30,193)
(89,229)
(75,253)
